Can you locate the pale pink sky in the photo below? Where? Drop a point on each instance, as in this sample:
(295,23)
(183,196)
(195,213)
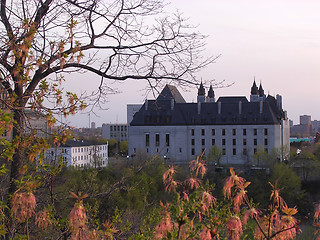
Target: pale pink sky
(277,41)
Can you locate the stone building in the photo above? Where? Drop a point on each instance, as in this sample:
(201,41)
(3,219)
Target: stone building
(180,131)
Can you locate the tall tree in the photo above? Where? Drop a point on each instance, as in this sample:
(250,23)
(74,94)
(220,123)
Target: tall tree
(40,40)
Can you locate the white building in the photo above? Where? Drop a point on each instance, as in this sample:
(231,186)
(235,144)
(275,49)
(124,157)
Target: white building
(180,131)
(81,153)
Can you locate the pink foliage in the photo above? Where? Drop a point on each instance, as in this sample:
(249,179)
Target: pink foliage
(234,228)
(23,205)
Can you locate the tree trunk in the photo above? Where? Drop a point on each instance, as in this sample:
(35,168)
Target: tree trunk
(15,165)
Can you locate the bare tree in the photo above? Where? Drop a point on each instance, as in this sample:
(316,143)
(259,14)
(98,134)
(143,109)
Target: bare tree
(41,40)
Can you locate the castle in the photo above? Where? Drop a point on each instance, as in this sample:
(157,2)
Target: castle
(180,131)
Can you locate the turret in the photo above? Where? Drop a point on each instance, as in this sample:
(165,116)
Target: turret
(262,96)
(211,95)
(254,97)
(201,93)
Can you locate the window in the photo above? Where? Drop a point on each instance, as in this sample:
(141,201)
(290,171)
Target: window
(244,151)
(180,149)
(157,140)
(234,141)
(223,141)
(203,142)
(213,142)
(234,151)
(255,142)
(255,131)
(147,140)
(192,151)
(266,141)
(213,132)
(202,132)
(167,139)
(223,151)
(244,132)
(254,150)
(244,142)
(234,132)
(223,132)
(266,150)
(134,150)
(265,131)
(203,151)
(121,128)
(192,141)
(192,132)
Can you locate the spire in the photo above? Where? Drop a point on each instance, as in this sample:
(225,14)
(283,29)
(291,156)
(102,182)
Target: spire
(254,88)
(211,92)
(261,91)
(201,90)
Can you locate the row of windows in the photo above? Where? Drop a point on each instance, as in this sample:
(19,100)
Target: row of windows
(234,141)
(85,149)
(234,132)
(118,128)
(75,158)
(114,135)
(157,140)
(234,151)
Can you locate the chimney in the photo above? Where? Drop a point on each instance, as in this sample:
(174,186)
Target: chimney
(261,106)
(199,108)
(146,104)
(279,101)
(240,107)
(172,103)
(219,107)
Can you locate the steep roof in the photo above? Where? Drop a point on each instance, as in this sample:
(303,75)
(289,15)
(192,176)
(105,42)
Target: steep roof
(261,91)
(201,90)
(226,111)
(254,88)
(211,92)
(171,92)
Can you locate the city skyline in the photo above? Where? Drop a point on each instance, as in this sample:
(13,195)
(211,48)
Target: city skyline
(275,42)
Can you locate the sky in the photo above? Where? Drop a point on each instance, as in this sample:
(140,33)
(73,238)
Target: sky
(275,41)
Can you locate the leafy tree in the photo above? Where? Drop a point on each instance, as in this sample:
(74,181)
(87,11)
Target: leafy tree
(260,156)
(214,155)
(195,213)
(288,181)
(43,40)
(124,147)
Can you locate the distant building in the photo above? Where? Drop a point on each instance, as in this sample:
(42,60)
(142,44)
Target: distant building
(37,123)
(115,131)
(315,126)
(179,131)
(93,125)
(80,153)
(304,129)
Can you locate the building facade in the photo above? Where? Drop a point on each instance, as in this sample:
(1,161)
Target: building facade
(180,131)
(80,153)
(115,131)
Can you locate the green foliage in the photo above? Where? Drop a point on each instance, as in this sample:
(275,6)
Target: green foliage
(123,146)
(288,182)
(214,155)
